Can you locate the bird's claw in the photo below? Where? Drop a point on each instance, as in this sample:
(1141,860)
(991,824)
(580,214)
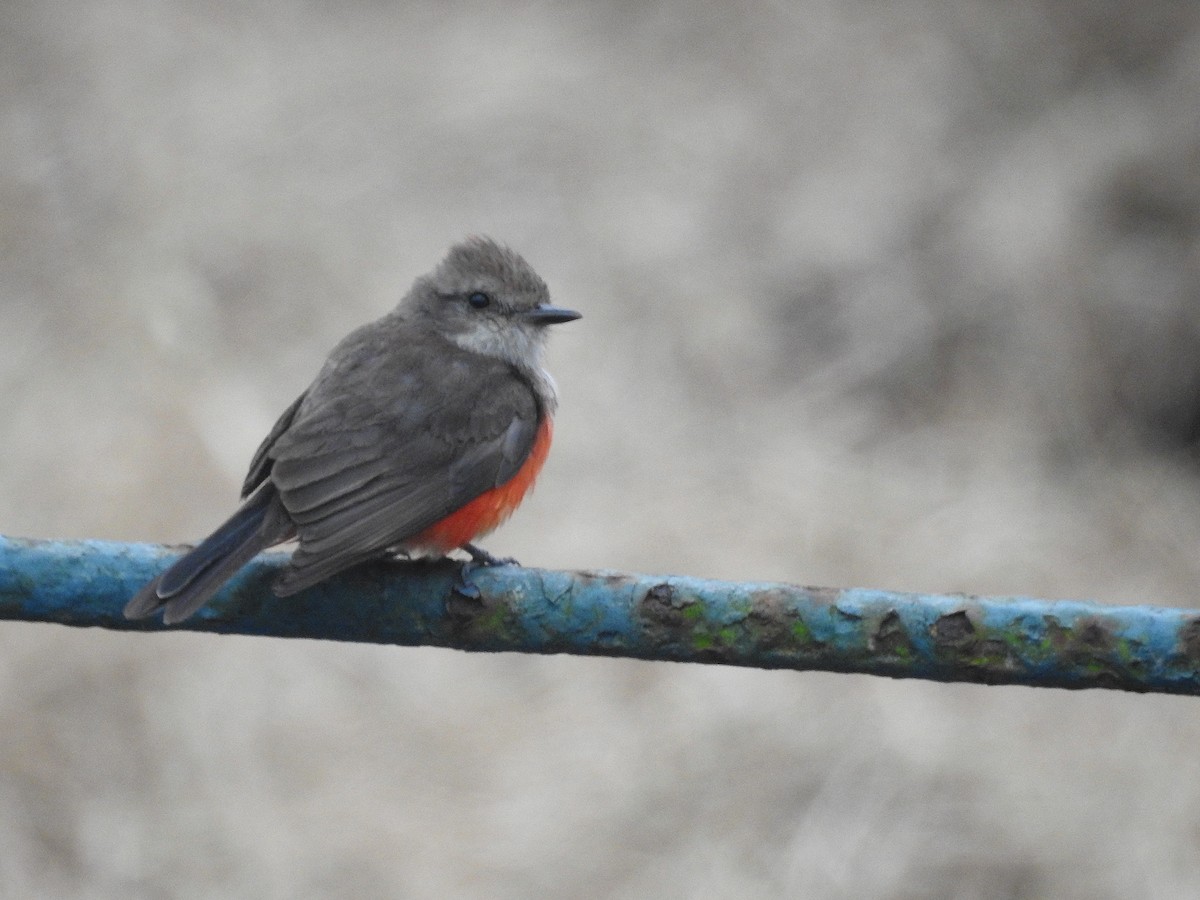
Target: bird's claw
(480,559)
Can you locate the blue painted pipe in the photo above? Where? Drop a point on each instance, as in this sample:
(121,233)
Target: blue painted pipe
(1011,640)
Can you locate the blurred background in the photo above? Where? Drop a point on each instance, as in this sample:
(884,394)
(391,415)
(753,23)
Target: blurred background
(901,295)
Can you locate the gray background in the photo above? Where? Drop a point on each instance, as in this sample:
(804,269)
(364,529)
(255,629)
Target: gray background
(884,294)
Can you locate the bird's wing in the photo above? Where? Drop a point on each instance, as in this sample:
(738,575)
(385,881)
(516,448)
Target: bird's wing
(386,449)
(260,465)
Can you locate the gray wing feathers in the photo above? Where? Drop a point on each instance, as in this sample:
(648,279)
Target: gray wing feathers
(357,477)
(351,536)
(500,459)
(308,499)
(260,465)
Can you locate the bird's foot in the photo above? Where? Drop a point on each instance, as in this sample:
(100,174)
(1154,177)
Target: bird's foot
(480,559)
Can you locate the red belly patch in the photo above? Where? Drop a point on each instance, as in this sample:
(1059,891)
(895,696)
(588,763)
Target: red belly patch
(489,510)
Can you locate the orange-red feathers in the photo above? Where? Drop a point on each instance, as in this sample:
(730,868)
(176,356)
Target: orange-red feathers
(489,510)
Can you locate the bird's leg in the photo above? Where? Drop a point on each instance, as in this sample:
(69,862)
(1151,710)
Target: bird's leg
(480,559)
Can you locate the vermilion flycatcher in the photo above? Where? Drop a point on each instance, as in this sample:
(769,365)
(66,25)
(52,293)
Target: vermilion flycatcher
(422,433)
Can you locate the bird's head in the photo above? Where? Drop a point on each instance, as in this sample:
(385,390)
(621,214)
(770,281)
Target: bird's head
(486,298)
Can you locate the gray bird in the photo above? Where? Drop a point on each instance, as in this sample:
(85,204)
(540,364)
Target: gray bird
(422,432)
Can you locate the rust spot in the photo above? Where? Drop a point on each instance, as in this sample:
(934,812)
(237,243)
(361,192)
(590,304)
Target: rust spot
(1189,637)
(1090,638)
(662,608)
(1095,635)
(612,579)
(675,619)
(890,635)
(482,621)
(954,630)
(1090,648)
(661,593)
(996,654)
(1058,636)
(772,622)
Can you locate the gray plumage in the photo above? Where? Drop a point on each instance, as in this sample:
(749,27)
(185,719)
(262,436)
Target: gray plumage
(410,418)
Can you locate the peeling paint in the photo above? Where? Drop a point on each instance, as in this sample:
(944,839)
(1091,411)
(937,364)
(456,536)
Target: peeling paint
(946,638)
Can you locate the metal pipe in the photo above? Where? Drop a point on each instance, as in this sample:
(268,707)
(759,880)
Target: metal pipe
(991,640)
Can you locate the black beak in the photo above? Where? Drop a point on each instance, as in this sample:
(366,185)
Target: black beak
(550,315)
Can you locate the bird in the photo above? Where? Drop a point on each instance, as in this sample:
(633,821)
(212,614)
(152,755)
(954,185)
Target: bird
(421,433)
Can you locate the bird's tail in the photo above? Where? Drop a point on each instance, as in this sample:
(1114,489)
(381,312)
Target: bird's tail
(192,580)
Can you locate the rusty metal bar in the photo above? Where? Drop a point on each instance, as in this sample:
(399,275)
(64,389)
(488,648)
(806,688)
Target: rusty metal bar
(1011,640)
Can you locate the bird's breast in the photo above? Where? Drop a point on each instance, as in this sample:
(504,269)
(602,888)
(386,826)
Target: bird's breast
(488,511)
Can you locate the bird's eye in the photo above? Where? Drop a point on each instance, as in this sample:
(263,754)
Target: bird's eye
(479,299)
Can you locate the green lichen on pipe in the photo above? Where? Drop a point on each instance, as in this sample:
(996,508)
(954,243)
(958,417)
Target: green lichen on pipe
(1010,640)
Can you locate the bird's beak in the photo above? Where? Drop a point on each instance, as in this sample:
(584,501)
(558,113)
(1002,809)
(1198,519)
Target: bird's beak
(545,314)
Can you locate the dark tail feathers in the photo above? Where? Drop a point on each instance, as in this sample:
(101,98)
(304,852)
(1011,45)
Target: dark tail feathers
(192,580)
